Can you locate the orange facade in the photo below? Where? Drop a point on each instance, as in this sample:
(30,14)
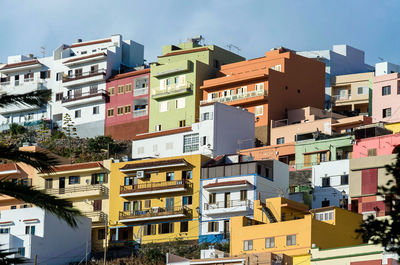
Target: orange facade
(269,86)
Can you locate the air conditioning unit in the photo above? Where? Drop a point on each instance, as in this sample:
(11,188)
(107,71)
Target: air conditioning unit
(140,174)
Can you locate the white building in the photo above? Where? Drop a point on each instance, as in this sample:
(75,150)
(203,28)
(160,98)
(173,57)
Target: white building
(385,68)
(222,129)
(33,232)
(229,187)
(330,182)
(77,76)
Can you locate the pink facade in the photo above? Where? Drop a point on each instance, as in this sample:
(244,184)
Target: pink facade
(127,111)
(376,146)
(386,98)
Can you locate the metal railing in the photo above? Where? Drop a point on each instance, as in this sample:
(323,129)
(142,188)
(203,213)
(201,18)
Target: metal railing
(172,89)
(154,186)
(77,188)
(227,204)
(240,96)
(341,97)
(96,214)
(153,212)
(26,80)
(92,93)
(84,75)
(140,91)
(6,83)
(140,113)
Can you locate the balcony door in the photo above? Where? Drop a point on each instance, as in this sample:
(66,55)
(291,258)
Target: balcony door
(227,200)
(226,229)
(61,185)
(169,204)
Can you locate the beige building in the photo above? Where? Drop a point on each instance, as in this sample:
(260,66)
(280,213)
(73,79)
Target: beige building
(351,92)
(86,185)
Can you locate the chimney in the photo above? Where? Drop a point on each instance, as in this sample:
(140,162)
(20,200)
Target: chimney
(29,55)
(79,40)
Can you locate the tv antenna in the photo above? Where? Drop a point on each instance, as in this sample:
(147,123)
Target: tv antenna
(230,46)
(43,51)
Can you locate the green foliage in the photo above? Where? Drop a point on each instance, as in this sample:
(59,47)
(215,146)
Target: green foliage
(56,134)
(16,129)
(151,254)
(103,144)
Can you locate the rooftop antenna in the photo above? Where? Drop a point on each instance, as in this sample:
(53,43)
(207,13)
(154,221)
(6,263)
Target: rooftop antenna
(380,58)
(230,46)
(43,51)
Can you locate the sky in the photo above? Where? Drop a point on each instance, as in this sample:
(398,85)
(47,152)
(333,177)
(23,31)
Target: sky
(254,26)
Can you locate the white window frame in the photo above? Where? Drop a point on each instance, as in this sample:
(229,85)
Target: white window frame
(257,110)
(163,106)
(180,103)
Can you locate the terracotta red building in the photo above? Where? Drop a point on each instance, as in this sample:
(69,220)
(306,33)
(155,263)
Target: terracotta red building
(127,112)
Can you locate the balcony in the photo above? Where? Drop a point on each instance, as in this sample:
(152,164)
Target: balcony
(154,188)
(239,98)
(140,91)
(85,98)
(79,191)
(97,217)
(140,113)
(228,207)
(84,78)
(155,213)
(172,90)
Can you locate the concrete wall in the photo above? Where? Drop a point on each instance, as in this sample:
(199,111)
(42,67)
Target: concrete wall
(380,102)
(384,145)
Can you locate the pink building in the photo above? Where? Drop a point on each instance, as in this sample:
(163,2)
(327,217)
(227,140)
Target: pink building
(386,98)
(376,146)
(127,111)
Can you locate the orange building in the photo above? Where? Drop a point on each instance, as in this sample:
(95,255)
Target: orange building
(269,86)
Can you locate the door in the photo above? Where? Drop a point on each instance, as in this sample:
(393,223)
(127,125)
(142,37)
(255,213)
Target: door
(227,199)
(61,185)
(137,205)
(169,204)
(48,184)
(226,229)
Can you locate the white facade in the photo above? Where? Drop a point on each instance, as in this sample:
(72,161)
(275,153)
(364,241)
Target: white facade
(33,232)
(222,130)
(77,76)
(329,180)
(385,68)
(230,190)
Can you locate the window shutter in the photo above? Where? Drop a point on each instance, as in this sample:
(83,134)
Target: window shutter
(209,226)
(159,228)
(97,205)
(105,178)
(171,227)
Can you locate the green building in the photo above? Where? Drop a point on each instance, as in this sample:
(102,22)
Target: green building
(175,82)
(312,151)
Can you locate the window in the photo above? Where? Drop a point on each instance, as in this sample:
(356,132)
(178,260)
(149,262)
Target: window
(110,112)
(344,179)
(372,152)
(73,180)
(120,110)
(170,176)
(97,205)
(30,230)
(248,245)
(127,206)
(323,157)
(326,182)
(325,203)
(360,90)
(128,181)
(280,140)
(78,113)
(187,174)
(166,228)
(164,106)
(258,110)
(325,216)
(186,200)
(243,195)
(184,226)
(99,178)
(128,88)
(182,123)
(140,150)
(176,80)
(13,207)
(4,230)
(260,87)
(270,242)
(386,90)
(147,204)
(191,142)
(158,128)
(206,116)
(59,76)
(386,112)
(212,198)
(83,52)
(291,240)
(203,140)
(59,96)
(369,181)
(180,103)
(94,89)
(78,72)
(241,90)
(212,226)
(149,230)
(101,234)
(111,91)
(128,109)
(21,251)
(169,146)
(120,89)
(277,67)
(96,110)
(168,82)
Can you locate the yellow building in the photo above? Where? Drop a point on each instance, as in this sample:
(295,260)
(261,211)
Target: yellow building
(155,200)
(284,226)
(394,127)
(86,185)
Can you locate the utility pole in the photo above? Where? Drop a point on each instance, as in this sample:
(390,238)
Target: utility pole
(36,259)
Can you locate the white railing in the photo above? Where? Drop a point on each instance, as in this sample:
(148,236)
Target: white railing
(249,94)
(26,80)
(7,83)
(140,113)
(341,97)
(140,91)
(171,89)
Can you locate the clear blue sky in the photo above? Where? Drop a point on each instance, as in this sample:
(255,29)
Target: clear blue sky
(253,26)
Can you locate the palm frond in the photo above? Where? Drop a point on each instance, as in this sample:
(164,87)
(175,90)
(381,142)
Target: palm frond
(39,160)
(60,207)
(35,98)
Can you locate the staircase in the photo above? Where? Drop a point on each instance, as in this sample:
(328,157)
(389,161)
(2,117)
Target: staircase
(271,217)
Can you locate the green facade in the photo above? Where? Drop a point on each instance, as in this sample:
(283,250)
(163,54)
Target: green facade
(175,82)
(335,148)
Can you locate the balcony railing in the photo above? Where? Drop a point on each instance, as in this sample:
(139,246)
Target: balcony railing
(228,204)
(154,186)
(91,93)
(98,216)
(341,97)
(140,91)
(154,212)
(26,80)
(140,113)
(172,90)
(6,83)
(246,95)
(84,75)
(78,188)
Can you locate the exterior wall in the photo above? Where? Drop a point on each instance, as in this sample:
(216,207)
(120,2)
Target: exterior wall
(48,230)
(380,102)
(334,170)
(384,145)
(385,68)
(394,127)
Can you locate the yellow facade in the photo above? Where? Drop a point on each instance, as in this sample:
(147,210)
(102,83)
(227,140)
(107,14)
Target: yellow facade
(395,127)
(293,229)
(155,200)
(86,185)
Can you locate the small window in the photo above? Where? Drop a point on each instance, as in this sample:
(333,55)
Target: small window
(4,230)
(326,182)
(149,230)
(243,195)
(128,109)
(260,87)
(13,207)
(127,206)
(147,204)
(59,96)
(182,123)
(386,90)
(59,76)
(184,226)
(96,110)
(169,146)
(203,140)
(212,198)
(372,152)
(280,140)
(187,174)
(94,89)
(99,178)
(344,179)
(166,228)
(170,176)
(206,116)
(83,52)
(213,227)
(120,89)
(247,245)
(180,103)
(21,251)
(360,90)
(30,230)
(73,180)
(128,88)
(101,234)
(186,200)
(325,203)
(78,113)
(270,242)
(164,106)
(111,91)
(158,128)
(291,240)
(258,110)
(110,112)
(386,112)
(120,110)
